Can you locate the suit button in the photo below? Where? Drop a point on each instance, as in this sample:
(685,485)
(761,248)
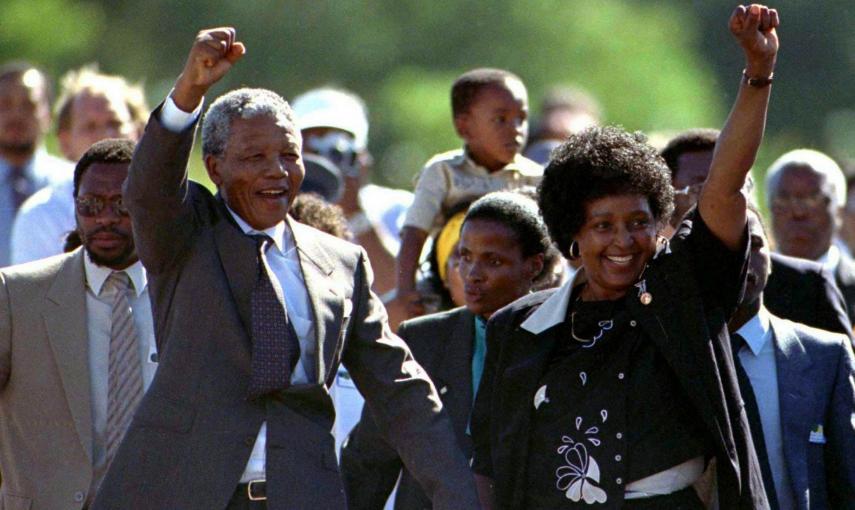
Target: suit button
(78,496)
(249,441)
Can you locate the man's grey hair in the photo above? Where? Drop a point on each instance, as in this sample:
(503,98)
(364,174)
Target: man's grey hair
(816,161)
(242,103)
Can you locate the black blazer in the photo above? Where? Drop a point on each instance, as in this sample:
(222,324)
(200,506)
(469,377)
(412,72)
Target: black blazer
(692,339)
(442,344)
(844,276)
(802,291)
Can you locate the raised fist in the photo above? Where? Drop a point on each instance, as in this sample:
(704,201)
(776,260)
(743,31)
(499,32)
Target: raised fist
(754,28)
(213,53)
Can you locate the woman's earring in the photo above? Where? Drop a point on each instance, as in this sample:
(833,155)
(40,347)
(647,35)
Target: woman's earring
(574,250)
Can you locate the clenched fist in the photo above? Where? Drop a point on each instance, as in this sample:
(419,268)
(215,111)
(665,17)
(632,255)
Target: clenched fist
(754,28)
(213,53)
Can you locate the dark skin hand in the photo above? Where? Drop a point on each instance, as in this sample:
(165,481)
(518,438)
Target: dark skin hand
(212,55)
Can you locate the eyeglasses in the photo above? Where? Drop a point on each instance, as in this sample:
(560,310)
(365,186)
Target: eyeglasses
(89,206)
(787,203)
(339,148)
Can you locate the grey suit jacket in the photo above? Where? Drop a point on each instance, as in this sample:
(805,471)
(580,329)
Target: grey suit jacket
(45,394)
(193,433)
(442,344)
(816,388)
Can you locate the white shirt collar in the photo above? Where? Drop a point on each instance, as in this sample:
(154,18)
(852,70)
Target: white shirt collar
(757,331)
(96,275)
(280,233)
(831,258)
(553,311)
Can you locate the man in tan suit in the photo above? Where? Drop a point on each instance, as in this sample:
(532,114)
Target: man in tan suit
(71,327)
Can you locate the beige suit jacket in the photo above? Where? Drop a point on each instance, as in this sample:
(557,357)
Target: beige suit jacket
(45,396)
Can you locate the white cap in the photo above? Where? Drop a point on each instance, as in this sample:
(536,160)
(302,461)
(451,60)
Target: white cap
(333,108)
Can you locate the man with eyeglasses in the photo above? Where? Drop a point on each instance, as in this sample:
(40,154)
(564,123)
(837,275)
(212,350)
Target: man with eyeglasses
(77,348)
(798,289)
(806,191)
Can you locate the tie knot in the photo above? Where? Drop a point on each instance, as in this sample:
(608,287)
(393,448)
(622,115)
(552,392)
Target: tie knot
(737,342)
(262,241)
(119,281)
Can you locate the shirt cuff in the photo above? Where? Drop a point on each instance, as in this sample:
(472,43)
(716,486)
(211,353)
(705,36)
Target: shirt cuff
(174,118)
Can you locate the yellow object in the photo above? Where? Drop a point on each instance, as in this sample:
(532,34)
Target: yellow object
(447,240)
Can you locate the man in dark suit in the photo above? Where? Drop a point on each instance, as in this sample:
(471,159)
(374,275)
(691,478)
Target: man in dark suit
(798,384)
(798,290)
(806,191)
(254,312)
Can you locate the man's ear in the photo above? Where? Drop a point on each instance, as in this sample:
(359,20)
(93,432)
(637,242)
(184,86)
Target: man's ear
(212,166)
(461,125)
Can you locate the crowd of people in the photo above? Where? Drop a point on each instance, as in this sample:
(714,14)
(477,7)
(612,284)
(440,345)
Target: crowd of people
(569,320)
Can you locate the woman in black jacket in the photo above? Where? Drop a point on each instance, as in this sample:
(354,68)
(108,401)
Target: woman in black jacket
(614,390)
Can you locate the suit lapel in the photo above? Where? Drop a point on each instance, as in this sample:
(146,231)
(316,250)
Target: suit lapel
(455,365)
(325,294)
(64,313)
(239,263)
(793,366)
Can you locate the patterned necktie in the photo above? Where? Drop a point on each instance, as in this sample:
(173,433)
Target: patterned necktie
(125,380)
(19,185)
(753,412)
(275,347)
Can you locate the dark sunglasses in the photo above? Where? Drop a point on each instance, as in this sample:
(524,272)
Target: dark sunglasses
(93,206)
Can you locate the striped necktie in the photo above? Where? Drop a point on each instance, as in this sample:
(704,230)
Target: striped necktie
(125,380)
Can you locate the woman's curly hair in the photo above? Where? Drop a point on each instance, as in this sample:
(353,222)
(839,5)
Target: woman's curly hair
(599,162)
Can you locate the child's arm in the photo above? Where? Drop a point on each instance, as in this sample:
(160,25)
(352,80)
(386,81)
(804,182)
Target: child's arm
(407,302)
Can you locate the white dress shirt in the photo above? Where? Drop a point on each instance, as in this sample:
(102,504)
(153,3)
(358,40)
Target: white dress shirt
(758,360)
(42,170)
(285,265)
(98,320)
(43,222)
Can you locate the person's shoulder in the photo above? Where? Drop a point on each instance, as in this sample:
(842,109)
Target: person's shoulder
(52,168)
(516,311)
(453,157)
(527,167)
(329,245)
(41,269)
(434,320)
(786,263)
(813,339)
(50,200)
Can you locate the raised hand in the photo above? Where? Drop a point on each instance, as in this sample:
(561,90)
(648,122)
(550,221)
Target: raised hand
(754,28)
(213,53)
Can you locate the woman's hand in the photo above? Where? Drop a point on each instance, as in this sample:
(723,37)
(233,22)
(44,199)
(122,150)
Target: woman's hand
(754,28)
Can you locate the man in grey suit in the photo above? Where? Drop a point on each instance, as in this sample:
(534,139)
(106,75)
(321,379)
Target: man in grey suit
(76,348)
(254,312)
(798,384)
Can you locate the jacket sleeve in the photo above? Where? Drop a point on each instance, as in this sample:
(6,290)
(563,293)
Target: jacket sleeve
(403,401)
(369,465)
(840,451)
(158,195)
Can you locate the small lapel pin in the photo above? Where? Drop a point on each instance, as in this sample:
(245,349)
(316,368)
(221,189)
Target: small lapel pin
(817,436)
(646,298)
(540,397)
(443,390)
